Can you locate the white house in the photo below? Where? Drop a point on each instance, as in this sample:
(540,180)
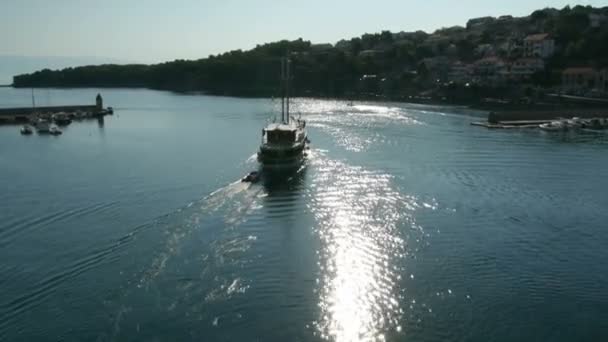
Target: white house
(526,67)
(490,70)
(539,46)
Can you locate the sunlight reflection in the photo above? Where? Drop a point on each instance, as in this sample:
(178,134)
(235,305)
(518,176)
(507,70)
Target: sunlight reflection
(361,245)
(355,127)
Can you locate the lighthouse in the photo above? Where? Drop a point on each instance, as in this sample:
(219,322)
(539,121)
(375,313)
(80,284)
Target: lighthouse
(98,103)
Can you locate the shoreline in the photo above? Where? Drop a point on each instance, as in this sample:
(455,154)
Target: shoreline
(496,112)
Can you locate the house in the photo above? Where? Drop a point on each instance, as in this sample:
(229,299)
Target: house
(460,73)
(579,79)
(488,66)
(524,68)
(510,48)
(596,20)
(490,70)
(539,45)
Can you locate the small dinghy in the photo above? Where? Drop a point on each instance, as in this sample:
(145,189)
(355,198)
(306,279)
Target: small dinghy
(252,177)
(27,130)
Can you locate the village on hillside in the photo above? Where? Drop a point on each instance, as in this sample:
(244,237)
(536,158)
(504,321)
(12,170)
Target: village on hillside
(550,53)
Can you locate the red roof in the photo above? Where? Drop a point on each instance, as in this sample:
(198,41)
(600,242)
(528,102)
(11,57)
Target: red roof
(578,71)
(537,37)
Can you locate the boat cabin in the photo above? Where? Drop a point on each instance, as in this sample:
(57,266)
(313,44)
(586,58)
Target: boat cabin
(281,134)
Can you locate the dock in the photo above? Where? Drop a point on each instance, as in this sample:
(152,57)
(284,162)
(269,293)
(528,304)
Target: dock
(533,118)
(510,124)
(546,115)
(18,115)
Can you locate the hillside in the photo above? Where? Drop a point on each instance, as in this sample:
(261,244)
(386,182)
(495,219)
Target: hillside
(489,56)
(9,64)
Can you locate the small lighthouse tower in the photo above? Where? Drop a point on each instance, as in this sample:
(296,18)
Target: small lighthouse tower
(98,103)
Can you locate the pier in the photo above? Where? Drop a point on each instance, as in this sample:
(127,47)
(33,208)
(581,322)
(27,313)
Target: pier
(546,115)
(19,115)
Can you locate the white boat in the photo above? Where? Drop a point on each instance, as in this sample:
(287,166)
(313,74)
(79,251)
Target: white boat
(27,130)
(574,123)
(283,143)
(42,126)
(554,126)
(54,130)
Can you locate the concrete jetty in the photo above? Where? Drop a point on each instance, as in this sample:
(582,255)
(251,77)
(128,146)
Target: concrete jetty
(25,114)
(545,115)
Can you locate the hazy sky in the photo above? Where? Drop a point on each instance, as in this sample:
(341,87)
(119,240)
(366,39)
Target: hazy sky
(160,30)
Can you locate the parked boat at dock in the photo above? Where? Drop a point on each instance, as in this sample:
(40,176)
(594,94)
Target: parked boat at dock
(554,126)
(54,130)
(595,124)
(27,130)
(42,126)
(62,119)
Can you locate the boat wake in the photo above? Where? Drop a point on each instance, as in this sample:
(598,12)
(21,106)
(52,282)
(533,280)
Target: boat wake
(189,236)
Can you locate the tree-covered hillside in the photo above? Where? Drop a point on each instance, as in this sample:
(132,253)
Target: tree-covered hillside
(384,63)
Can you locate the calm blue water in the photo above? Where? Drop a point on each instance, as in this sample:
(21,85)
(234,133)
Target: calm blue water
(405,224)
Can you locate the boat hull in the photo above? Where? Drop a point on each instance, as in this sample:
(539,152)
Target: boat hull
(269,156)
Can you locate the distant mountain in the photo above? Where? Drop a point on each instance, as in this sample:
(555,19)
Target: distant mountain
(15,65)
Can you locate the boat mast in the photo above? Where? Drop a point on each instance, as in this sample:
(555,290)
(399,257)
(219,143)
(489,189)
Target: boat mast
(288,65)
(283,90)
(285,75)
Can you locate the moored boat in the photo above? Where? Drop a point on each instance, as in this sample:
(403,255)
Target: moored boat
(27,130)
(62,119)
(574,123)
(42,126)
(553,126)
(54,130)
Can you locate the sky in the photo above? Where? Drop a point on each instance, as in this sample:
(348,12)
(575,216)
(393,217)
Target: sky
(150,31)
